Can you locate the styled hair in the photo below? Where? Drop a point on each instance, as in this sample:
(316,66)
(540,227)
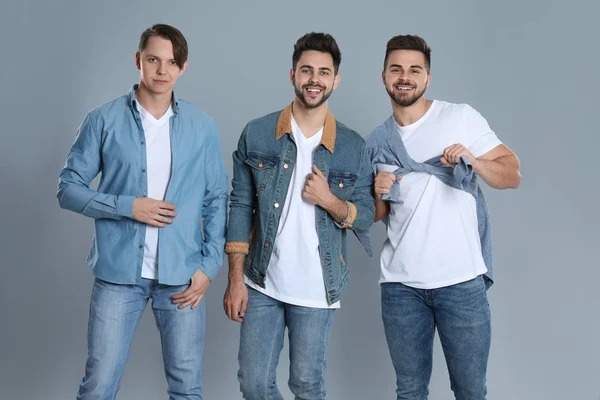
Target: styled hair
(408,42)
(317,41)
(167,32)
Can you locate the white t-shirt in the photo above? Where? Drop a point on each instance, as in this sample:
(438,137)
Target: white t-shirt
(295,275)
(158,173)
(432,234)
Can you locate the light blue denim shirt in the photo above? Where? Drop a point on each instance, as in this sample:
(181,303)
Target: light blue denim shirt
(111,141)
(385,146)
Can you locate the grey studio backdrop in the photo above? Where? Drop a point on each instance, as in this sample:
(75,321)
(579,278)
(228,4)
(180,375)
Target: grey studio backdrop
(530,67)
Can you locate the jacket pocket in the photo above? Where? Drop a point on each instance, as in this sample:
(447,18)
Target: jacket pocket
(342,184)
(263,168)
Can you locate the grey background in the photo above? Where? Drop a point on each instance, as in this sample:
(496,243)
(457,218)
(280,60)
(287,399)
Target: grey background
(529,67)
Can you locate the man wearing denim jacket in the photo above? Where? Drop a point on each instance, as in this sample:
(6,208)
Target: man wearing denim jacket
(162,177)
(301,180)
(436,261)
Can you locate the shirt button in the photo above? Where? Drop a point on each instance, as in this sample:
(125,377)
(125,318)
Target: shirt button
(141,246)
(285,166)
(260,165)
(266,244)
(276,205)
(142,142)
(143,169)
(341,185)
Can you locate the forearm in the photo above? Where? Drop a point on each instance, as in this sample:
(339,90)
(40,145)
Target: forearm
(382,210)
(338,209)
(83,200)
(500,173)
(236,266)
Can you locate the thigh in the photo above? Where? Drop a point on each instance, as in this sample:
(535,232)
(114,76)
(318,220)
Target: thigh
(182,340)
(115,311)
(464,324)
(261,337)
(308,332)
(408,322)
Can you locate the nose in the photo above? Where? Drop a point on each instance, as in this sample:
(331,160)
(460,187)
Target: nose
(162,68)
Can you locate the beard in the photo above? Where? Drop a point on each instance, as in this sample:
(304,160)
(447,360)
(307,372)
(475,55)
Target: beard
(301,96)
(404,100)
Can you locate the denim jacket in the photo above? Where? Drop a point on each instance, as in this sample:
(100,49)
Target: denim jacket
(262,170)
(385,146)
(111,141)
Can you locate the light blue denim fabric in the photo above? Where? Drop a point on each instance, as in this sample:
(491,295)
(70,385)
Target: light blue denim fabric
(111,141)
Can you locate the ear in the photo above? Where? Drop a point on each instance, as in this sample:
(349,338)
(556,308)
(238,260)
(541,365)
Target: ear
(292,76)
(182,70)
(138,60)
(383,77)
(428,80)
(336,80)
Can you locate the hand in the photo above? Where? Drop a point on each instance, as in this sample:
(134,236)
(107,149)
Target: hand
(452,155)
(384,182)
(235,301)
(316,189)
(153,212)
(193,294)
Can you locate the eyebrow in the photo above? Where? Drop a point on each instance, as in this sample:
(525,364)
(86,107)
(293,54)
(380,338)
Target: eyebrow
(152,55)
(311,67)
(400,66)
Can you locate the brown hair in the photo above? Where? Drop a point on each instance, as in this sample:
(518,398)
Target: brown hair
(322,42)
(408,42)
(168,32)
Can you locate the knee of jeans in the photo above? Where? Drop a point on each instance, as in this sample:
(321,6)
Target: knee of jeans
(254,385)
(307,387)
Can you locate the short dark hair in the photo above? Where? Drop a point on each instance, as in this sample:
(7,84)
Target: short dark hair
(168,32)
(408,42)
(317,41)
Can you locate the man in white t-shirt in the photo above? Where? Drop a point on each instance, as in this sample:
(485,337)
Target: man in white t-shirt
(434,262)
(301,179)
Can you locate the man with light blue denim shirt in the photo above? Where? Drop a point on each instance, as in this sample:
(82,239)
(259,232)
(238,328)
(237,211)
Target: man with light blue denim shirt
(436,260)
(160,217)
(301,180)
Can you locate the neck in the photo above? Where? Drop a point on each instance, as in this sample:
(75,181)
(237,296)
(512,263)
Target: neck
(409,115)
(155,103)
(309,120)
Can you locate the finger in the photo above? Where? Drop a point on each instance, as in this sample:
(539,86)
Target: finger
(166,212)
(162,219)
(197,302)
(398,178)
(243,306)
(187,303)
(444,161)
(168,206)
(317,171)
(186,293)
(156,223)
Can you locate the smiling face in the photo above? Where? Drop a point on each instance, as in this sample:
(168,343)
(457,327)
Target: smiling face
(158,69)
(314,78)
(405,77)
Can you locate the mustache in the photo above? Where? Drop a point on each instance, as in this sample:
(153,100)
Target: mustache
(405,83)
(313,86)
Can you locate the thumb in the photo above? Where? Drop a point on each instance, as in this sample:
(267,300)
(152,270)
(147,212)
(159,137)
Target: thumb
(398,178)
(444,161)
(317,171)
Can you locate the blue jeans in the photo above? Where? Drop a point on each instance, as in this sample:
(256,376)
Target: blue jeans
(461,314)
(261,341)
(115,312)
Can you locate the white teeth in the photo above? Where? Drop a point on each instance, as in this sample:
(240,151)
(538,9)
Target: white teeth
(314,90)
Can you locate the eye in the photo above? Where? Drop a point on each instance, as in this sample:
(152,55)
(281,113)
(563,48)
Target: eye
(172,62)
(325,73)
(305,71)
(395,70)
(416,71)
(151,59)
